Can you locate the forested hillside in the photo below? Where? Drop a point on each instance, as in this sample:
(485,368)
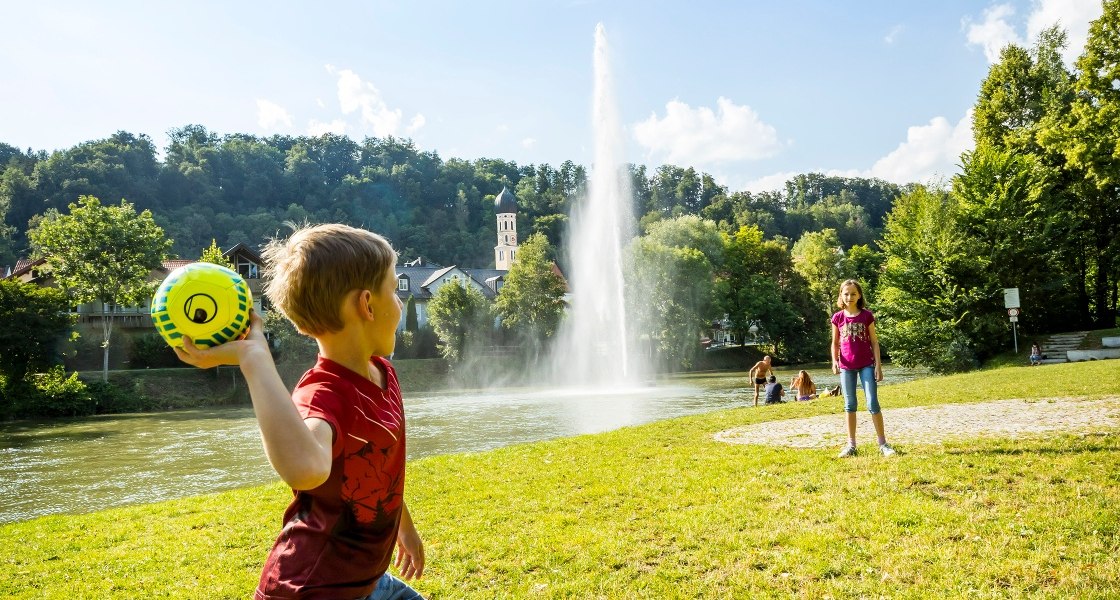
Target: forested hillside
(240,188)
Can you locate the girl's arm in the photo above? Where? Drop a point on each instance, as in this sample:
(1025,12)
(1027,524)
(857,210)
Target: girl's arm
(875,350)
(836,350)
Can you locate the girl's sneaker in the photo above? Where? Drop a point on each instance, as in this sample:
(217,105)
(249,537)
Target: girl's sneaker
(849,450)
(886,450)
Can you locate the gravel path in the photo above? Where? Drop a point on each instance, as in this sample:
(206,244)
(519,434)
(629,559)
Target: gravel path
(935,424)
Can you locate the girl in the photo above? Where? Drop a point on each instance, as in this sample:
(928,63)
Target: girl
(803,386)
(855,351)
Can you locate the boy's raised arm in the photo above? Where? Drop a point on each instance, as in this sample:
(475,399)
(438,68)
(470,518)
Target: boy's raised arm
(299,451)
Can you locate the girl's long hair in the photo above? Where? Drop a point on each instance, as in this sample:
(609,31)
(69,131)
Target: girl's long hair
(804,384)
(859,303)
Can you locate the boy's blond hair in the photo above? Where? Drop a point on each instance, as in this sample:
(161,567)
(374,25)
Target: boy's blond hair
(309,274)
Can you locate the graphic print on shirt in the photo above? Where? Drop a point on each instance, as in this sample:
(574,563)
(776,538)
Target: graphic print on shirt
(368,490)
(371,487)
(853,330)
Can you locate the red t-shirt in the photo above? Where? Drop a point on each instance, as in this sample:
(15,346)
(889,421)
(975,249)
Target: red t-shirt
(855,339)
(338,538)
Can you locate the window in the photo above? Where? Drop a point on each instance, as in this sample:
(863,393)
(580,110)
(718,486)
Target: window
(512,254)
(501,254)
(402,284)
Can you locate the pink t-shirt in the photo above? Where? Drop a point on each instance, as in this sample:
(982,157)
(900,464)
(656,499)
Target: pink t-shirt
(855,339)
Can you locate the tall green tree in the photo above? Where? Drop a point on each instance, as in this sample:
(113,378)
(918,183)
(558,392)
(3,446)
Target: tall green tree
(101,253)
(819,258)
(531,301)
(35,319)
(461,317)
(934,301)
(1089,139)
(411,321)
(669,297)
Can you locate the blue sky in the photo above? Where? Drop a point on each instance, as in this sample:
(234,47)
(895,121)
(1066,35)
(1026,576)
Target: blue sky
(749,91)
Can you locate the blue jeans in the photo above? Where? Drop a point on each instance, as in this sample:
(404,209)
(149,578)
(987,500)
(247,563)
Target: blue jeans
(391,588)
(870,388)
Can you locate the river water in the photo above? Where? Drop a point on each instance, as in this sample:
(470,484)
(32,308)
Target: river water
(88,464)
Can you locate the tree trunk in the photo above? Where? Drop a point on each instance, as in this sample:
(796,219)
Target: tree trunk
(107,330)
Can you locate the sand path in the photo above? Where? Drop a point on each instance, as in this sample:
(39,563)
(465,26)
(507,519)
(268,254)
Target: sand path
(936,424)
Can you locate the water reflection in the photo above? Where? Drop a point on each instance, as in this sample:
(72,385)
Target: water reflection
(82,465)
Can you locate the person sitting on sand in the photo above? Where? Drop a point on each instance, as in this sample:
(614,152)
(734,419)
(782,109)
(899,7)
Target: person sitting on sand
(803,386)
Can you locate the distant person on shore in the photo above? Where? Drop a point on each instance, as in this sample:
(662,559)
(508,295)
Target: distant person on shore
(803,387)
(759,372)
(774,391)
(339,439)
(855,352)
(1036,355)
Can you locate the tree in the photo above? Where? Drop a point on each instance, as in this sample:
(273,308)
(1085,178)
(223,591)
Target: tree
(411,322)
(460,316)
(1089,139)
(531,300)
(213,254)
(934,303)
(101,253)
(819,258)
(34,319)
(669,297)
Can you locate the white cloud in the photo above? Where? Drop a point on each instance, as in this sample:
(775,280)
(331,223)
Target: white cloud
(319,128)
(769,183)
(994,32)
(892,35)
(1072,15)
(701,136)
(270,114)
(930,151)
(528,142)
(361,97)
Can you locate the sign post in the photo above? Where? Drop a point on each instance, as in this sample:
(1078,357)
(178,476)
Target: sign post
(1011,303)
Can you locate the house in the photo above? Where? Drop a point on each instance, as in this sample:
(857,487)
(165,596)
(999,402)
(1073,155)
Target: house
(421,280)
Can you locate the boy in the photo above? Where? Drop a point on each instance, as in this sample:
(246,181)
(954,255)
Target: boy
(774,391)
(339,439)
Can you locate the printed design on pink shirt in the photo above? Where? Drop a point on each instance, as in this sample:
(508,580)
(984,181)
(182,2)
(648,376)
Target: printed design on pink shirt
(370,491)
(853,330)
(371,487)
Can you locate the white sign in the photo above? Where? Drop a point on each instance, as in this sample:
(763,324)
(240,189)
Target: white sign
(1014,319)
(1011,297)
(1012,312)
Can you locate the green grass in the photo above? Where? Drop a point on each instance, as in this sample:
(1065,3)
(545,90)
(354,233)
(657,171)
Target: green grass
(663,511)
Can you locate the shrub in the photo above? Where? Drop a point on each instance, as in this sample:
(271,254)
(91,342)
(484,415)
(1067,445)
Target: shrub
(151,351)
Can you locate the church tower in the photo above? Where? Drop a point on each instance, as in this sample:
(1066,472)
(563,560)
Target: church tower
(505,253)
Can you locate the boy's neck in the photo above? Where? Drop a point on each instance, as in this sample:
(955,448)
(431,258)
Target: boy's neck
(347,348)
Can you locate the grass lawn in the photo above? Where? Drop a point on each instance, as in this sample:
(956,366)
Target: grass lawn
(663,511)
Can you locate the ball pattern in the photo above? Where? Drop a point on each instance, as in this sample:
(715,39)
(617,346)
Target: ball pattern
(207,302)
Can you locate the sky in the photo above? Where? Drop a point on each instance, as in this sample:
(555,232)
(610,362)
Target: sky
(750,91)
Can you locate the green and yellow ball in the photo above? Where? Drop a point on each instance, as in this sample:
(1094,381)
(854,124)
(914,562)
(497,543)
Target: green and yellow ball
(206,302)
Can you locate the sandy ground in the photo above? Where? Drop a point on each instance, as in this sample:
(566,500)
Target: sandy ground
(936,424)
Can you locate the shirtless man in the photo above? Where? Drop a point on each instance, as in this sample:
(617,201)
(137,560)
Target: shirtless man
(759,372)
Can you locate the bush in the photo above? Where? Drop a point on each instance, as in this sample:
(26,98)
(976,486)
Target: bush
(150,351)
(54,394)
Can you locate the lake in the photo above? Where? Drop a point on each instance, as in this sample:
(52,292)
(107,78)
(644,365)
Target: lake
(92,463)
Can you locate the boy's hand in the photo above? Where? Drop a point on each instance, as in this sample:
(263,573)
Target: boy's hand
(410,552)
(229,353)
